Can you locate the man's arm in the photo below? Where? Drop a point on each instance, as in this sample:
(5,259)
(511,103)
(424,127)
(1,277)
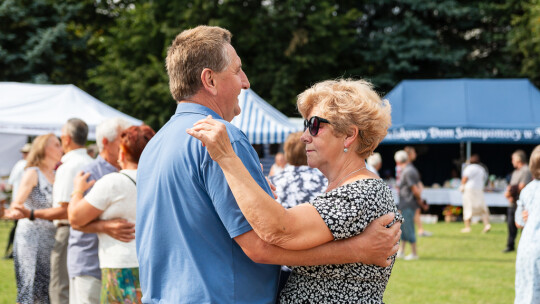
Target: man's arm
(373,246)
(119,228)
(508,195)
(417,192)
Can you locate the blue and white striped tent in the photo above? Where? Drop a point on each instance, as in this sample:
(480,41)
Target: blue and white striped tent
(261,122)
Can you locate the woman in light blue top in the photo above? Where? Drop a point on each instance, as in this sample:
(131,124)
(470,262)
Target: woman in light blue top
(528,254)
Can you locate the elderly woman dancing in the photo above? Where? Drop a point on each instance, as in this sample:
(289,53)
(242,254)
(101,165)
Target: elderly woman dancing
(345,120)
(114,196)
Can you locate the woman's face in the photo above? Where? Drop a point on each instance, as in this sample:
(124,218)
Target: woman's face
(323,148)
(53,150)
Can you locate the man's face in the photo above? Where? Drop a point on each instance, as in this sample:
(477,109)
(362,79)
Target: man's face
(412,155)
(229,83)
(65,139)
(112,147)
(516,161)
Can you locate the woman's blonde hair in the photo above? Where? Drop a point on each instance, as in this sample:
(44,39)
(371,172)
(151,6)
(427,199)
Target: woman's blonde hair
(348,102)
(534,163)
(37,155)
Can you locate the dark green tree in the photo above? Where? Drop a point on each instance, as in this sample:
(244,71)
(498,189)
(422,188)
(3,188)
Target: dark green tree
(525,38)
(289,45)
(46,41)
(131,76)
(414,39)
(284,46)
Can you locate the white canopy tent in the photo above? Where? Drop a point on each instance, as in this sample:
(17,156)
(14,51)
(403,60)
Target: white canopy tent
(33,109)
(262,123)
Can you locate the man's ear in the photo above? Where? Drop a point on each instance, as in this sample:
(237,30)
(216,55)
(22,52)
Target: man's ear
(67,139)
(104,142)
(208,81)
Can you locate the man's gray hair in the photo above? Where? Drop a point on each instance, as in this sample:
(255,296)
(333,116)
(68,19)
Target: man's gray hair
(77,130)
(109,129)
(401,156)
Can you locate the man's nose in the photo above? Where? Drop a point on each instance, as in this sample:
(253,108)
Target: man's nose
(245,81)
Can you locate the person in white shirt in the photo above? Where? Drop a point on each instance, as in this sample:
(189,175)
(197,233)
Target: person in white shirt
(473,179)
(114,196)
(18,170)
(73,137)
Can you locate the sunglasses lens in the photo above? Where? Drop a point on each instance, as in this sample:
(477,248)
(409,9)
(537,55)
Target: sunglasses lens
(314,125)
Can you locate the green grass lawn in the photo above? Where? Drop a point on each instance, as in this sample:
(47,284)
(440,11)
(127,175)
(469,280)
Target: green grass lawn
(453,268)
(8,289)
(456,268)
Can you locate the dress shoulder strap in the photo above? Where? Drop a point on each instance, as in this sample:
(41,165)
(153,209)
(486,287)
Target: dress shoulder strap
(131,179)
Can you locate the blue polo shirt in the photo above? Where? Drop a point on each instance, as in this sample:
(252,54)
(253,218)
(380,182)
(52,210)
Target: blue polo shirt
(187,218)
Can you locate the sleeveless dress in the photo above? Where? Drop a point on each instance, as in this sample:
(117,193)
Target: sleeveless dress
(347,211)
(32,247)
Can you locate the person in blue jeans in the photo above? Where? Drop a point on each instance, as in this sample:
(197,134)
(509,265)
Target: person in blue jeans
(410,191)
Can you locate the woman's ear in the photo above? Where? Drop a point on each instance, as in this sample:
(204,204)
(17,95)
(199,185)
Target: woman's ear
(350,136)
(208,81)
(121,155)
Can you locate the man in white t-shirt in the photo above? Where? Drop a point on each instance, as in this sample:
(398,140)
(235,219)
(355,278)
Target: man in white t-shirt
(473,179)
(73,137)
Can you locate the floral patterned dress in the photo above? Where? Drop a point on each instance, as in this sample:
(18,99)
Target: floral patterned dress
(298,184)
(347,211)
(32,247)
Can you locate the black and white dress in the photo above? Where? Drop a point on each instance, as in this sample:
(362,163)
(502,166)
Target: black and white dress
(347,211)
(32,247)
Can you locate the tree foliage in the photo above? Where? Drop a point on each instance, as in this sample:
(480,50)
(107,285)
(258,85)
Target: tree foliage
(116,49)
(45,41)
(525,38)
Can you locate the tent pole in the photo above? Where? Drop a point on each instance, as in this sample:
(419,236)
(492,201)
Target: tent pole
(468,151)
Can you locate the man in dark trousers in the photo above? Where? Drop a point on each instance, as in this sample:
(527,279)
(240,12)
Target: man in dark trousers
(520,178)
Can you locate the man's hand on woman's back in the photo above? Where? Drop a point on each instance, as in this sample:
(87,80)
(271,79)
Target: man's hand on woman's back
(377,243)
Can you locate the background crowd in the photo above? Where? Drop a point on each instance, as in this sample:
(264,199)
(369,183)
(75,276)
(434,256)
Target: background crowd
(55,251)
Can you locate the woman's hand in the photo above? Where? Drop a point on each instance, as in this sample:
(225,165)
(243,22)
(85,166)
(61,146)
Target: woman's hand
(525,215)
(13,214)
(213,135)
(81,183)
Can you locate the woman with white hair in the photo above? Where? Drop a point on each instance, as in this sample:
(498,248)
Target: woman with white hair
(345,120)
(409,190)
(374,163)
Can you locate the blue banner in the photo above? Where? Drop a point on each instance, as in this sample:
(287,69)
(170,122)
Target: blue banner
(461,134)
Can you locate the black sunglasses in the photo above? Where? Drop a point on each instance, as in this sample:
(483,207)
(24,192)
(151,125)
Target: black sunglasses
(313,124)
